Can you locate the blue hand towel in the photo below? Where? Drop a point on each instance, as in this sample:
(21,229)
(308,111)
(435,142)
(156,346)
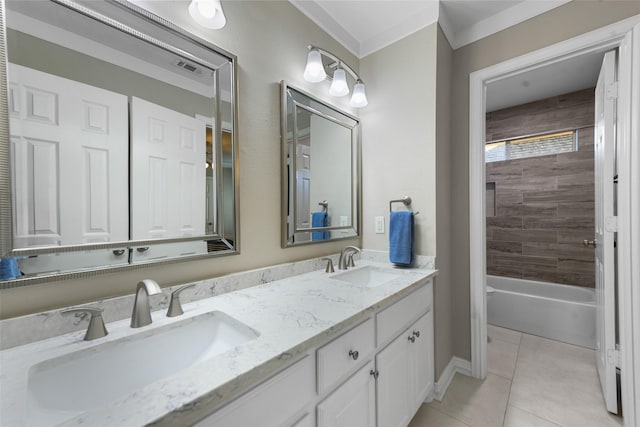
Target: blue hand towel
(401,238)
(319,219)
(9,269)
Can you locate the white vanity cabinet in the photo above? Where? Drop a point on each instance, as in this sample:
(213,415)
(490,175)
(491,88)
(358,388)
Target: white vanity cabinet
(376,374)
(399,378)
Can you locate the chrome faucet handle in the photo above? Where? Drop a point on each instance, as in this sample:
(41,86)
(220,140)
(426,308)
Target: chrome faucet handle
(96,327)
(175,308)
(329,268)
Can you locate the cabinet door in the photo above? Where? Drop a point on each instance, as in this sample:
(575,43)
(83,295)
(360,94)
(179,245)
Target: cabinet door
(351,404)
(421,359)
(393,400)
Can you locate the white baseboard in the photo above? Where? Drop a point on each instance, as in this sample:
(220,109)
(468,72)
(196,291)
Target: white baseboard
(456,364)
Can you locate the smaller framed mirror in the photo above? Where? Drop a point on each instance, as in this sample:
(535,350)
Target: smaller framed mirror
(321,177)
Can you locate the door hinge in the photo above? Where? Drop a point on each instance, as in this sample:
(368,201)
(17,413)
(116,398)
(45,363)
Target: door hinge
(612,91)
(613,357)
(611,224)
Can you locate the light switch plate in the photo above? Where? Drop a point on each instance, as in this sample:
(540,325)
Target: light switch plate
(379,224)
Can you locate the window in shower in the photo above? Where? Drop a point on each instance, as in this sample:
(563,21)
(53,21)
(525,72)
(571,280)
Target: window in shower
(538,145)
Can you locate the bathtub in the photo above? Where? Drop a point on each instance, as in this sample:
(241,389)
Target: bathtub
(558,312)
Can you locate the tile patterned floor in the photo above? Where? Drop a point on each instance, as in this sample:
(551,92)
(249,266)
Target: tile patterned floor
(531,382)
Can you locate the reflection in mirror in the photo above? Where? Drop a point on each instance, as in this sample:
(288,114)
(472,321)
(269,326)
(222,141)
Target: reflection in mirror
(121,140)
(321,175)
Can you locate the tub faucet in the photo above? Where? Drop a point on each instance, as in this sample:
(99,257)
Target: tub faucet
(141,315)
(343,261)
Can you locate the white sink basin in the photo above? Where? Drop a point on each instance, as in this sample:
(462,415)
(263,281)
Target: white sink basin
(367,276)
(91,378)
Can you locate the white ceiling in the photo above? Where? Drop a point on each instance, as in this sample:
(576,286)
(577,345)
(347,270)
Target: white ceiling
(365,26)
(570,75)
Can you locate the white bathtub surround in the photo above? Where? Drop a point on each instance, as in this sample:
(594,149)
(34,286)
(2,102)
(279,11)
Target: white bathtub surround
(559,312)
(292,316)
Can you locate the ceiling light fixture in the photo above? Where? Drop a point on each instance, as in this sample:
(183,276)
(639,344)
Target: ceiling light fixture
(317,71)
(208,13)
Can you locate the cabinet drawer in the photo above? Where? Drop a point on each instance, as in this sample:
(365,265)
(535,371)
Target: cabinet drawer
(392,320)
(337,359)
(270,404)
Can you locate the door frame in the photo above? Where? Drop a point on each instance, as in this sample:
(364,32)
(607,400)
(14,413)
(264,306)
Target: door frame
(618,35)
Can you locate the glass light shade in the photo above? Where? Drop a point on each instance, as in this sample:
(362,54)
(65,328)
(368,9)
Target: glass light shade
(339,85)
(359,97)
(208,13)
(314,71)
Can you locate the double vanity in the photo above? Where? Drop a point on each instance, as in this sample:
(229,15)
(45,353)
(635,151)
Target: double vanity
(316,348)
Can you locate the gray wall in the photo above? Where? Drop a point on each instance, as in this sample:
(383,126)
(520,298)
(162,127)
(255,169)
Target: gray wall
(398,136)
(544,205)
(399,151)
(442,290)
(562,23)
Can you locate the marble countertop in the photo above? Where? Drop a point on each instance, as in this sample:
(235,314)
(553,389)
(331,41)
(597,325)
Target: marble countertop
(291,315)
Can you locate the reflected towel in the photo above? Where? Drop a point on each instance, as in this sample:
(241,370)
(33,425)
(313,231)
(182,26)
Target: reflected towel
(319,219)
(9,269)
(401,238)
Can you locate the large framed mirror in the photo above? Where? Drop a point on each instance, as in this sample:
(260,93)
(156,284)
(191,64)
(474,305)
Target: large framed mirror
(118,141)
(321,190)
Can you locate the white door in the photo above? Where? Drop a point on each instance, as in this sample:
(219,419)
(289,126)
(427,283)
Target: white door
(605,108)
(303,190)
(168,174)
(69,148)
(393,400)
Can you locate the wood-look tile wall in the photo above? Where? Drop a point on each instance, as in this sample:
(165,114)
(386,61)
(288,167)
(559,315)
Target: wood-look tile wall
(544,206)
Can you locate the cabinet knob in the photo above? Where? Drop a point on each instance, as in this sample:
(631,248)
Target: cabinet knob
(118,252)
(374,374)
(412,338)
(353,354)
(416,334)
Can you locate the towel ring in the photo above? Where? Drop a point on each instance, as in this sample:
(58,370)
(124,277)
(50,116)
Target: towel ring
(406,200)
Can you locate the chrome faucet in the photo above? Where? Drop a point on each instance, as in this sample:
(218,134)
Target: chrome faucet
(141,315)
(343,261)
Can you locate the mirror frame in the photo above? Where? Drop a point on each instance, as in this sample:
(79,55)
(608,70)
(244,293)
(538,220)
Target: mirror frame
(6,206)
(356,169)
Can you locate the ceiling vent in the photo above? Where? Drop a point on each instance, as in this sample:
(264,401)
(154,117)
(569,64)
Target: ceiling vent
(188,67)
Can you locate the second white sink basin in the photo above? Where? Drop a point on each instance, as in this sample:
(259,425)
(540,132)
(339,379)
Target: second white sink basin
(368,276)
(91,378)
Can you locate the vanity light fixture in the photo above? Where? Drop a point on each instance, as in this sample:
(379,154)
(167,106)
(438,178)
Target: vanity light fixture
(314,71)
(208,13)
(339,86)
(336,70)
